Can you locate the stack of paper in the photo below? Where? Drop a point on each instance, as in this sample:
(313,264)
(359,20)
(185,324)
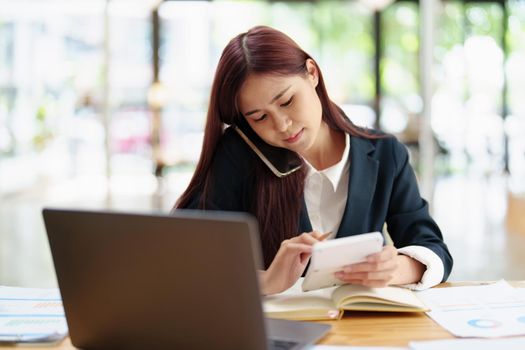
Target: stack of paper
(31,315)
(486,311)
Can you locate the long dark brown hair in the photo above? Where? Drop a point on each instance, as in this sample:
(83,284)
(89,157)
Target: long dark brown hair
(277,201)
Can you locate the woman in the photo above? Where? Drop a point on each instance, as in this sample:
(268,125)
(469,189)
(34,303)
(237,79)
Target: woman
(351,180)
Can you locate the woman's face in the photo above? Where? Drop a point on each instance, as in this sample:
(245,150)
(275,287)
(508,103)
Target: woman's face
(284,111)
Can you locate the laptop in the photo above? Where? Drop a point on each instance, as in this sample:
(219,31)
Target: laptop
(146,281)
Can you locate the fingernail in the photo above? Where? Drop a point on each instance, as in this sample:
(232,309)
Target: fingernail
(347,269)
(338,274)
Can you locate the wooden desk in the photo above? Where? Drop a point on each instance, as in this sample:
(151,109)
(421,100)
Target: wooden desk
(373,328)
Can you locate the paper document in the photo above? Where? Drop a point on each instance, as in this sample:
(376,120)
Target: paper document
(347,347)
(485,311)
(31,315)
(516,343)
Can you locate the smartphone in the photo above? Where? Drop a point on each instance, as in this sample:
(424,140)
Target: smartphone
(281,161)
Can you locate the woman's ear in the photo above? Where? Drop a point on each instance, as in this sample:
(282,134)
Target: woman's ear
(312,71)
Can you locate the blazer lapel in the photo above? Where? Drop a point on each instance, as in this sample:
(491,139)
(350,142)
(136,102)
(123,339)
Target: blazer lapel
(304,220)
(361,187)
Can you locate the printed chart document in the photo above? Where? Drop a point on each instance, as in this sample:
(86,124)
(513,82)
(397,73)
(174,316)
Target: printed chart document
(495,310)
(343,347)
(514,343)
(31,315)
(330,303)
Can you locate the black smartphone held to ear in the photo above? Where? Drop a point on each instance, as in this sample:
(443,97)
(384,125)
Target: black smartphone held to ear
(281,161)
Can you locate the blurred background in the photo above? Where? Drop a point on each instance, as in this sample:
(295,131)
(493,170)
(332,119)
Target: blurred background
(103,102)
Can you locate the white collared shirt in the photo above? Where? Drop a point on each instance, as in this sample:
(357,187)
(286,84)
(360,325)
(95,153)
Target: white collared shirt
(325,194)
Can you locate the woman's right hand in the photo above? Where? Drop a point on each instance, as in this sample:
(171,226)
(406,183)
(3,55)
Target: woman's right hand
(289,263)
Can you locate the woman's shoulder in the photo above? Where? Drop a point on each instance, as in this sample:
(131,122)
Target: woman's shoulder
(232,151)
(380,144)
(375,138)
(231,142)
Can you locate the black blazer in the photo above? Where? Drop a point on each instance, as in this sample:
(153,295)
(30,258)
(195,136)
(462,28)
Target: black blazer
(382,188)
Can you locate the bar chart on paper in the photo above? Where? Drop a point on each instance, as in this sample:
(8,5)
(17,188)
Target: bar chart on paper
(478,311)
(31,315)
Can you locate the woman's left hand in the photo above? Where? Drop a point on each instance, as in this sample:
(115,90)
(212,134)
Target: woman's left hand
(382,269)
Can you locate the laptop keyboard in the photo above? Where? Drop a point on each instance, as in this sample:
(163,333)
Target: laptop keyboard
(276,344)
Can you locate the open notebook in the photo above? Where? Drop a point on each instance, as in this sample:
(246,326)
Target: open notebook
(330,303)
